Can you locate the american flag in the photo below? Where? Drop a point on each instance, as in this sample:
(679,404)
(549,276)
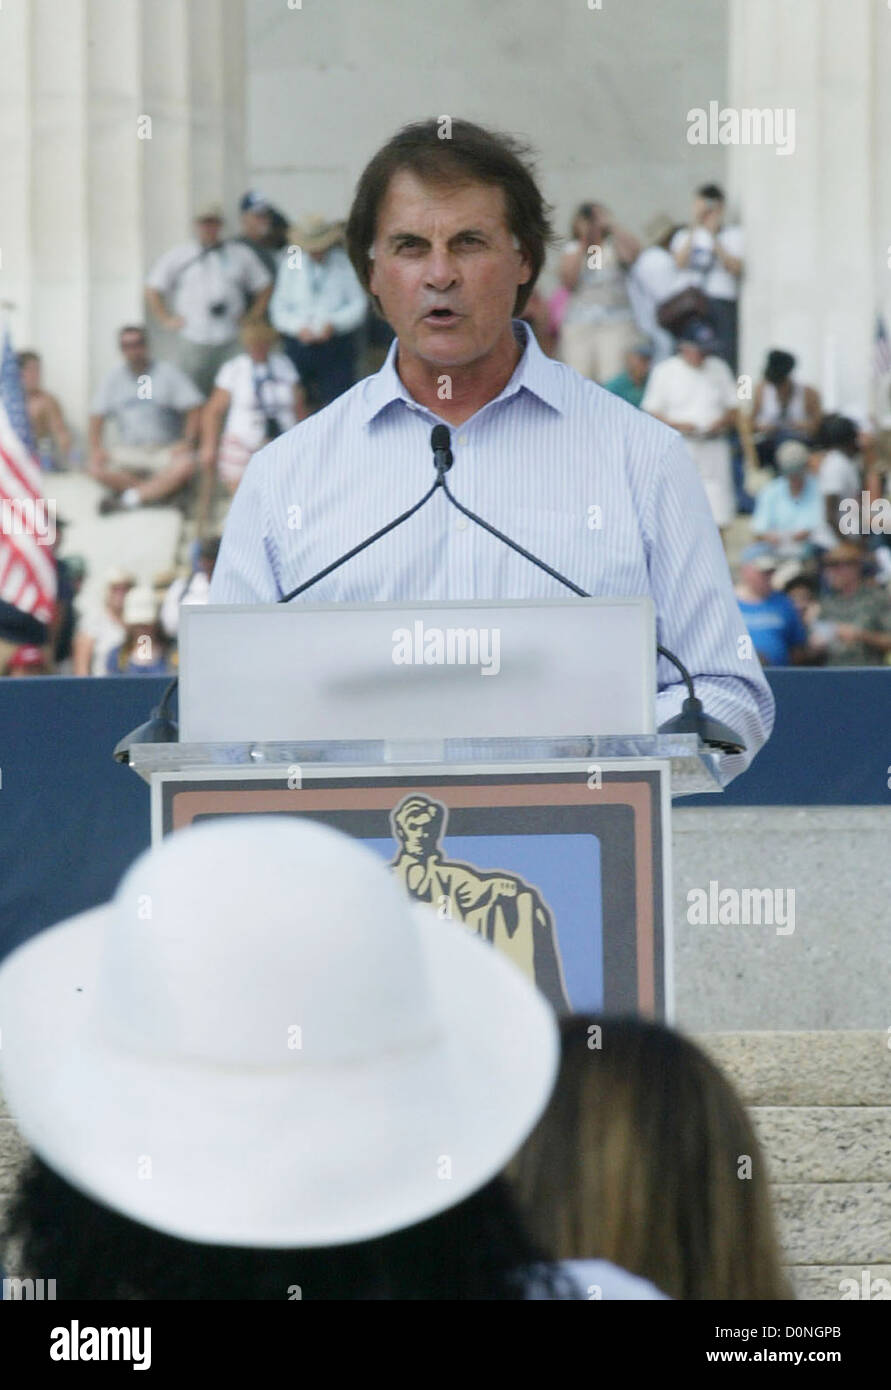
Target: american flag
(27,567)
(881,348)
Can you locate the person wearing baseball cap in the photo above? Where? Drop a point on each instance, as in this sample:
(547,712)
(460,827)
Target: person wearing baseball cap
(695,393)
(789,510)
(778,635)
(256,221)
(202,290)
(856,613)
(262,1068)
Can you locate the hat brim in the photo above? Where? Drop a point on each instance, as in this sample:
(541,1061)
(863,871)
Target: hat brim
(300,1155)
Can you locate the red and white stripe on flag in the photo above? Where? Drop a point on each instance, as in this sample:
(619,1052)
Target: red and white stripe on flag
(27,567)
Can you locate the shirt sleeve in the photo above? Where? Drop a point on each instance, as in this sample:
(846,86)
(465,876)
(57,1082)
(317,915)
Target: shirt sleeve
(796,632)
(247,567)
(655,397)
(763,514)
(731,399)
(354,305)
(733,241)
(101,404)
(833,476)
(226,376)
(164,271)
(697,615)
(679,239)
(256,276)
(184,394)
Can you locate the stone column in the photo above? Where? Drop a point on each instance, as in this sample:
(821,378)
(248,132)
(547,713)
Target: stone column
(92,191)
(813,222)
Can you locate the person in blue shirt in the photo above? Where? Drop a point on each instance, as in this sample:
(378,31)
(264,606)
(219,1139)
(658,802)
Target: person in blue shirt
(789,510)
(632,383)
(775,627)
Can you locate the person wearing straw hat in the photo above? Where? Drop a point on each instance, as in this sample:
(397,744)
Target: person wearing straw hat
(260,1071)
(855,616)
(317,306)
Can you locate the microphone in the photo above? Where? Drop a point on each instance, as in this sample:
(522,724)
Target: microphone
(441,444)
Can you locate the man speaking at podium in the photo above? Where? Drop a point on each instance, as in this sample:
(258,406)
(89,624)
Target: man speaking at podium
(448,232)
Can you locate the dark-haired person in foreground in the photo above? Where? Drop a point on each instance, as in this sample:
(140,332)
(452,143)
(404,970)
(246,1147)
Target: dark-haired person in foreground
(284,1081)
(645,1156)
(449,235)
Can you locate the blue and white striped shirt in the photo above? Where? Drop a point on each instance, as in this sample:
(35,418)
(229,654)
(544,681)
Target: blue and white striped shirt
(605,494)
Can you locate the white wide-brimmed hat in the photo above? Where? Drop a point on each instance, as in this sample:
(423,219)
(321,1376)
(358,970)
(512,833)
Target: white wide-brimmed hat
(261,1041)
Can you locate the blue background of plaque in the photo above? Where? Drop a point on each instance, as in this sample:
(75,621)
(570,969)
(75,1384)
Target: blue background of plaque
(566,870)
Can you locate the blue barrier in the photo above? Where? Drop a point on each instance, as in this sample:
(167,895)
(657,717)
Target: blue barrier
(72,819)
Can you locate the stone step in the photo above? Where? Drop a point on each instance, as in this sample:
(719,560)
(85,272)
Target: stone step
(826,1283)
(848,1068)
(816,1143)
(834,1223)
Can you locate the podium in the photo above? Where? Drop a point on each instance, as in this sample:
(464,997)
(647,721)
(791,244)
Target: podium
(554,847)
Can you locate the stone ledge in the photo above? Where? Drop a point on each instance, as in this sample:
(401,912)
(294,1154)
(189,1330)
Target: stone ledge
(834,1223)
(825,1143)
(822,1283)
(843,1068)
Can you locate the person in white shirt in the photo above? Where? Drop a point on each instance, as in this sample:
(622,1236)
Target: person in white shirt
(653,278)
(256,397)
(598,328)
(317,306)
(695,393)
(194,588)
(100,631)
(714,253)
(839,475)
(202,291)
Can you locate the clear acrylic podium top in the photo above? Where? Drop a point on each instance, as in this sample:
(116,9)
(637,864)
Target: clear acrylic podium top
(694,768)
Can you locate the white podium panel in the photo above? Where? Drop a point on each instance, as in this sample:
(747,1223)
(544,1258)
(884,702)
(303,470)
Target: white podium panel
(550,668)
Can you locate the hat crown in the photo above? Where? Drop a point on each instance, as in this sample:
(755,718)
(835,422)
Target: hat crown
(262,942)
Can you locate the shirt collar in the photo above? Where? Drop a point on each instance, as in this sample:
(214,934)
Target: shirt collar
(534,373)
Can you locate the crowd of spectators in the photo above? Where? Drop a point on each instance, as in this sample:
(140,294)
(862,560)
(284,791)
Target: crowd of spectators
(272,324)
(426,1132)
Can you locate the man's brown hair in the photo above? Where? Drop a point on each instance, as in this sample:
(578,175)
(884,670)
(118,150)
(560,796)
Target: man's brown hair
(468,153)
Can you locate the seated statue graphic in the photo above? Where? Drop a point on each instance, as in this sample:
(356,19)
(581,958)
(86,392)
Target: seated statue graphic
(501,907)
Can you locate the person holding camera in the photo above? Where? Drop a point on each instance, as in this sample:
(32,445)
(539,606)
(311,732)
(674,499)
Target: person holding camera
(713,252)
(202,291)
(598,328)
(256,397)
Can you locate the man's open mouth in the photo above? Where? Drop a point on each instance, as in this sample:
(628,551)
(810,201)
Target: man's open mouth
(441,316)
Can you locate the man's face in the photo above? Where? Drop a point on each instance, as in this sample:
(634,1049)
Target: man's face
(843,575)
(418,826)
(638,367)
(208,230)
(134,352)
(446,249)
(30,374)
(758,580)
(692,354)
(255,224)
